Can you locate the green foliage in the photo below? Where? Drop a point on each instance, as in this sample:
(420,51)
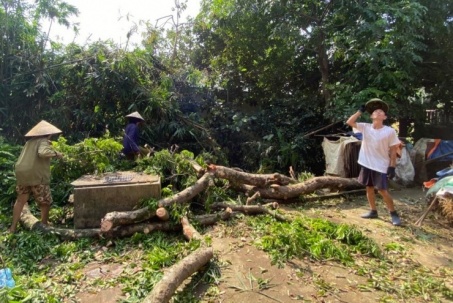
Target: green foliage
(92,155)
(316,238)
(26,80)
(304,176)
(279,69)
(175,169)
(26,249)
(272,139)
(49,270)
(8,156)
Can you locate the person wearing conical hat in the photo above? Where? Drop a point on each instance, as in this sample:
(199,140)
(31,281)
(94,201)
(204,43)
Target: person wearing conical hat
(377,156)
(131,147)
(32,171)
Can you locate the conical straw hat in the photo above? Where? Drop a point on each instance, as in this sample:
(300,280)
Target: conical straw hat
(374,104)
(135,115)
(43,128)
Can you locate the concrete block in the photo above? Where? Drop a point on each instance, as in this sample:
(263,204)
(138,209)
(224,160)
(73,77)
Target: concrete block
(95,196)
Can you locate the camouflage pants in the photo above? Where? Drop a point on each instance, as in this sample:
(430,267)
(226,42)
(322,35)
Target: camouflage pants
(41,193)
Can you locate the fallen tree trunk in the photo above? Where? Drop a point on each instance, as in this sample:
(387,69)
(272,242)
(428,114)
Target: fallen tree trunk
(274,192)
(113,219)
(146,228)
(117,218)
(288,192)
(188,193)
(259,180)
(336,195)
(30,222)
(212,219)
(252,209)
(121,224)
(189,231)
(162,214)
(173,278)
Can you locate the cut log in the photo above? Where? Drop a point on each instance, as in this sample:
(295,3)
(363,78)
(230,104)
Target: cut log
(146,228)
(336,195)
(197,167)
(162,214)
(30,222)
(278,192)
(212,219)
(260,180)
(189,231)
(176,274)
(130,217)
(117,218)
(188,193)
(252,209)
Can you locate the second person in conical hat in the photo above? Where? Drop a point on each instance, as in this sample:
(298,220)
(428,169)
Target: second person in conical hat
(32,171)
(131,147)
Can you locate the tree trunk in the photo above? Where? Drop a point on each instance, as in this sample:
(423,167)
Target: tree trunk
(113,219)
(116,218)
(162,214)
(403,128)
(189,192)
(122,224)
(166,287)
(274,191)
(189,231)
(30,222)
(260,180)
(284,193)
(252,209)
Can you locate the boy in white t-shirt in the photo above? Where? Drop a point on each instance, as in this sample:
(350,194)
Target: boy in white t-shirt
(377,156)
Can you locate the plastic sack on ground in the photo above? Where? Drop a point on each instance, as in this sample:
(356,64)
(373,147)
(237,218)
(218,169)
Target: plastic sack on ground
(404,169)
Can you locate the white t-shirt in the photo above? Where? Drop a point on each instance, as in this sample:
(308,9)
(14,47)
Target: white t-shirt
(374,152)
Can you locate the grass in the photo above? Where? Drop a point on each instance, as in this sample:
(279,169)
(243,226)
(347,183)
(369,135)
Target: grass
(388,267)
(47,269)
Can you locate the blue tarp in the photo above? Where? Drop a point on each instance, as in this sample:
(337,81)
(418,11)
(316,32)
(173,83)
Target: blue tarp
(444,147)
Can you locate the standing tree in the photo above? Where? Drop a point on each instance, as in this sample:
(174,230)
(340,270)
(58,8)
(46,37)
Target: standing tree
(24,64)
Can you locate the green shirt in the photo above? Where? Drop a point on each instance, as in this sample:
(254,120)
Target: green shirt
(33,165)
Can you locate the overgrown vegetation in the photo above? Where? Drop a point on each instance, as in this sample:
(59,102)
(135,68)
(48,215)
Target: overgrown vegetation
(47,269)
(244,81)
(241,85)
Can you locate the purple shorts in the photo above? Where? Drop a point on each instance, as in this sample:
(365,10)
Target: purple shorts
(370,177)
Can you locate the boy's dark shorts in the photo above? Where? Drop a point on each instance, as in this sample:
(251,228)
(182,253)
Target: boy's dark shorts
(370,177)
(41,193)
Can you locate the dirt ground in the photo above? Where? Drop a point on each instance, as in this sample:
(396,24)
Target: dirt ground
(245,269)
(431,246)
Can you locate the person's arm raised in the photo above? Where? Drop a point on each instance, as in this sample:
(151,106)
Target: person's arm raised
(352,121)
